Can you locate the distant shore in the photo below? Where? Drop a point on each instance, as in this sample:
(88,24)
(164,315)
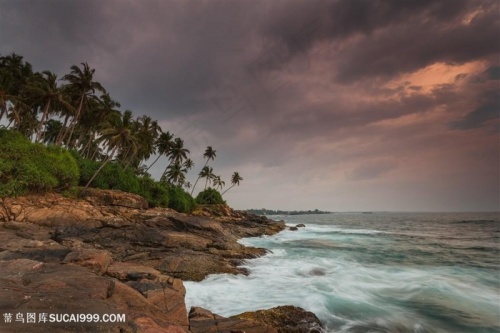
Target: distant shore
(264,211)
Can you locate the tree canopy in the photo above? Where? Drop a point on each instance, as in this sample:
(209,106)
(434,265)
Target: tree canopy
(77,113)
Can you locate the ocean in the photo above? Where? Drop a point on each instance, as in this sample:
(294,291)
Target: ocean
(372,272)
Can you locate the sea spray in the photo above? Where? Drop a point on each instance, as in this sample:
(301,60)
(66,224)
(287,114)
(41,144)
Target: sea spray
(389,272)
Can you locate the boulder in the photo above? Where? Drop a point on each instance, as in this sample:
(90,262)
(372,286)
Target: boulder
(108,254)
(113,198)
(204,321)
(96,260)
(286,319)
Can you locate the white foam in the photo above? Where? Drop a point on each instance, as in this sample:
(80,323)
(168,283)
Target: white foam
(336,287)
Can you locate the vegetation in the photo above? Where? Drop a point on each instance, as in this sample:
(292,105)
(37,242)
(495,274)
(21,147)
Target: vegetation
(209,196)
(44,119)
(31,167)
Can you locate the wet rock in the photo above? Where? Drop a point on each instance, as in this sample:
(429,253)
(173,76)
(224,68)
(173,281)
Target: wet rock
(293,228)
(106,253)
(130,271)
(286,319)
(317,272)
(300,225)
(204,321)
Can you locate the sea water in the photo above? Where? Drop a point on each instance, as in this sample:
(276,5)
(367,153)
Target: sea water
(375,272)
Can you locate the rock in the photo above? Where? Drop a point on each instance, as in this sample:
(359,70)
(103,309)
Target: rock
(108,254)
(286,319)
(113,198)
(300,225)
(317,272)
(96,260)
(204,321)
(130,271)
(293,228)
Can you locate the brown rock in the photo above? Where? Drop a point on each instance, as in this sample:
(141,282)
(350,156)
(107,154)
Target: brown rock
(204,321)
(96,260)
(286,319)
(39,232)
(113,198)
(131,271)
(148,325)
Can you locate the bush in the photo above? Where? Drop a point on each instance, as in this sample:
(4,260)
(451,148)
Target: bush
(112,177)
(209,196)
(30,167)
(180,200)
(155,193)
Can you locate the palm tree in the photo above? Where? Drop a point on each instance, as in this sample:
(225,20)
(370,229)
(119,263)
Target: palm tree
(22,116)
(148,131)
(82,86)
(128,152)
(117,135)
(235,180)
(175,174)
(206,172)
(44,91)
(6,83)
(14,74)
(163,144)
(52,129)
(218,182)
(101,111)
(188,164)
(177,153)
(209,155)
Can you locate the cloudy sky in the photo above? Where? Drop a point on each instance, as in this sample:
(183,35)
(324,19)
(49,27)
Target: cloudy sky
(340,105)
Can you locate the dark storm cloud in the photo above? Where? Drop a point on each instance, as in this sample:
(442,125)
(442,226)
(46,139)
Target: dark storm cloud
(419,44)
(413,33)
(56,33)
(163,56)
(275,83)
(493,73)
(478,118)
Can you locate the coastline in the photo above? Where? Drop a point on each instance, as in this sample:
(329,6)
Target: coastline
(106,252)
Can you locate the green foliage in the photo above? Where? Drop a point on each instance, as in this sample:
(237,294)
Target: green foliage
(180,200)
(27,167)
(112,177)
(155,193)
(209,196)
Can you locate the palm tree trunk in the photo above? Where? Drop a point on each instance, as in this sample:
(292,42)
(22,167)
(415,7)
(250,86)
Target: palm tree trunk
(88,145)
(62,133)
(129,161)
(196,182)
(42,121)
(72,125)
(227,190)
(159,155)
(102,166)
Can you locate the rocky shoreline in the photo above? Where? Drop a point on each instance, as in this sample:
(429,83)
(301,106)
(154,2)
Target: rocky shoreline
(105,252)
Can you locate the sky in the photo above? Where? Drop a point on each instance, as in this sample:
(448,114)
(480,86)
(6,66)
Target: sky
(340,105)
